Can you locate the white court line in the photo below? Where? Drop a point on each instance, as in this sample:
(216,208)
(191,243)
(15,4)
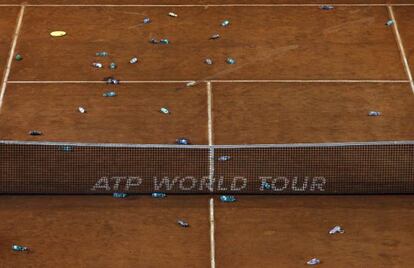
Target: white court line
(212,81)
(210,113)
(310,81)
(212,235)
(210,133)
(97,82)
(11,55)
(214,5)
(401,47)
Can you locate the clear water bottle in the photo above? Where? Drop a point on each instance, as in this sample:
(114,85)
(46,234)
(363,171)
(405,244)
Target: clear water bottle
(97,65)
(313,261)
(35,133)
(227,198)
(182,141)
(164,110)
(337,230)
(327,7)
(164,41)
(119,195)
(215,36)
(67,148)
(158,195)
(102,54)
(266,186)
(109,94)
(191,84)
(224,158)
(147,20)
(208,61)
(389,23)
(112,81)
(230,61)
(19,248)
(374,113)
(133,60)
(225,23)
(183,223)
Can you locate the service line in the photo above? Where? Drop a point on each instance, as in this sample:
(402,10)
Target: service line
(213,5)
(213,81)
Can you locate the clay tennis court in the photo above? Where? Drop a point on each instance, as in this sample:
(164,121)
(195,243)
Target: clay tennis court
(292,112)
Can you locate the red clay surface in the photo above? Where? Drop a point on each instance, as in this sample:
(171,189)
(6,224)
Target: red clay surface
(7,25)
(90,231)
(253,232)
(288,231)
(405,19)
(267,43)
(131,117)
(311,113)
(180,2)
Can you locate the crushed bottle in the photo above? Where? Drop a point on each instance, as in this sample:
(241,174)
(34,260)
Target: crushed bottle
(183,223)
(215,36)
(102,54)
(327,7)
(119,195)
(158,195)
(227,198)
(208,61)
(109,94)
(313,261)
(97,65)
(225,23)
(67,148)
(19,248)
(164,41)
(191,83)
(164,110)
(337,230)
(389,23)
(35,133)
(224,158)
(112,65)
(111,80)
(182,141)
(230,61)
(147,20)
(374,113)
(266,185)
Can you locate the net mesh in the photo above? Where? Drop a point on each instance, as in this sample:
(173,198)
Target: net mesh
(59,168)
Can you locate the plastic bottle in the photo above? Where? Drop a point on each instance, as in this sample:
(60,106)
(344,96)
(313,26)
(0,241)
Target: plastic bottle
(158,195)
(227,198)
(225,23)
(230,61)
(109,94)
(19,248)
(119,195)
(224,158)
(102,54)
